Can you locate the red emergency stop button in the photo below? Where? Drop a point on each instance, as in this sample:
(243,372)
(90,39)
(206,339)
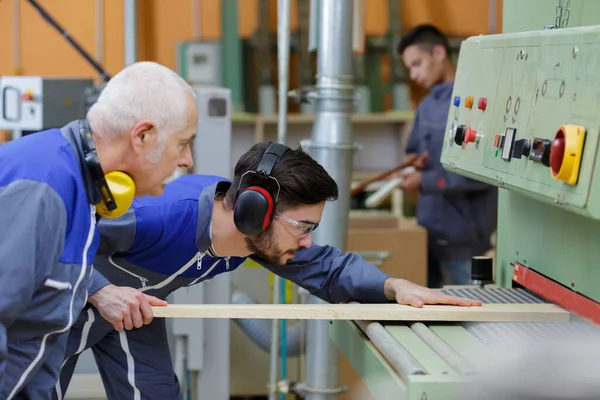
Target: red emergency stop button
(470,135)
(557,151)
(566,152)
(482,103)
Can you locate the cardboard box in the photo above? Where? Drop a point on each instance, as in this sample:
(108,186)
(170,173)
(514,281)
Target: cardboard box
(359,219)
(406,245)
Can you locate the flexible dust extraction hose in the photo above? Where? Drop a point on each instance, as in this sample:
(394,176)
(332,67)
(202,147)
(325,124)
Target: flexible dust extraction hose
(260,330)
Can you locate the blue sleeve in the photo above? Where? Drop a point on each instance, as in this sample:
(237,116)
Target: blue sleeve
(97,282)
(33,221)
(441,181)
(412,146)
(116,235)
(332,276)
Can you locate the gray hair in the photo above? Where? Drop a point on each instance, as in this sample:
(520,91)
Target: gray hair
(141,91)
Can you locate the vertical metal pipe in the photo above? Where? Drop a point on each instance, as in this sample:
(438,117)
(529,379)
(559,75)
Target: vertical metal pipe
(493,17)
(266,90)
(283,56)
(231,53)
(400,90)
(274,342)
(17,69)
(100,32)
(196,22)
(130,13)
(332,146)
(305,73)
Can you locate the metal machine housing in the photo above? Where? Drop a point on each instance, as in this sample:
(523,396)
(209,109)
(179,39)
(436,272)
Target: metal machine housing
(35,103)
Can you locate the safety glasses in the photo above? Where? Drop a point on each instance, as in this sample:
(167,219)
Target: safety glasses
(298,228)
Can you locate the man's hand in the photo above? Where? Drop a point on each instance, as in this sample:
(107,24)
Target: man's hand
(405,292)
(422,160)
(125,307)
(411,182)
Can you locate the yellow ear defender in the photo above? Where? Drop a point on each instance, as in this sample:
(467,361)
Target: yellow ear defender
(116,188)
(117,195)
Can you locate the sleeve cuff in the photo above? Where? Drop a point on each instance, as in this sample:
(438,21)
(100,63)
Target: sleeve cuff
(370,289)
(432,181)
(97,282)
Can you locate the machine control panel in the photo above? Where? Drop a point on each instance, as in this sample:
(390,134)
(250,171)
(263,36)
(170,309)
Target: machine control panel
(525,115)
(34,103)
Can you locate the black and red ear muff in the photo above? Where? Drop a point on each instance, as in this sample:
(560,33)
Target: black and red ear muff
(253,210)
(254,207)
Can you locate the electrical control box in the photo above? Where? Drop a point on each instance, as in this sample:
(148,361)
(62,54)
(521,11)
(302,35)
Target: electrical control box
(214,127)
(35,103)
(525,115)
(199,62)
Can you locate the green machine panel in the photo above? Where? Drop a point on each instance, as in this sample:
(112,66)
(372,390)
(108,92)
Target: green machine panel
(524,115)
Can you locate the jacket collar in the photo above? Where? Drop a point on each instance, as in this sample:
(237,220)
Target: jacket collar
(71,132)
(206,203)
(442,90)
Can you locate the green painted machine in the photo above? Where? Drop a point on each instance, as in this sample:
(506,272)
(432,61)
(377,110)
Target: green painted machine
(525,117)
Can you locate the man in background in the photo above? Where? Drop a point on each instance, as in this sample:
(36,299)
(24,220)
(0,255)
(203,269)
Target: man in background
(459,213)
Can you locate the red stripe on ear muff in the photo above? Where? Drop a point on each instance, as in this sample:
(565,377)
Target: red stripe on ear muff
(267,196)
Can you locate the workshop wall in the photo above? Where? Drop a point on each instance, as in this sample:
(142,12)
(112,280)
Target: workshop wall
(44,52)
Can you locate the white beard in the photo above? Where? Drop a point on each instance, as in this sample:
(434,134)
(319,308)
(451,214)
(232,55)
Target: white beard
(176,174)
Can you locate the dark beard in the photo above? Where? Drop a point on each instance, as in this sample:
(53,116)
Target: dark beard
(261,244)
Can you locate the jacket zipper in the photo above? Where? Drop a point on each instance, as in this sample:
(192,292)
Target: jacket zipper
(199,256)
(164,283)
(141,278)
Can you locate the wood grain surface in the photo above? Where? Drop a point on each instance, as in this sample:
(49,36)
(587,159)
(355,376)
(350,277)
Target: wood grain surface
(369,312)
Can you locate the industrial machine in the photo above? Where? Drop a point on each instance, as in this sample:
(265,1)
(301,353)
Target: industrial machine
(34,103)
(524,117)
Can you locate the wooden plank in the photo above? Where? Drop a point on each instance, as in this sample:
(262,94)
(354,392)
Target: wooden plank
(370,312)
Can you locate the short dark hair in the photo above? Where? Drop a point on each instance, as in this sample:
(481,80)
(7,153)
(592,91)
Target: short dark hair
(302,179)
(425,36)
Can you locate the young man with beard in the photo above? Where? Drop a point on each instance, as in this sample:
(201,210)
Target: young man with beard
(203,226)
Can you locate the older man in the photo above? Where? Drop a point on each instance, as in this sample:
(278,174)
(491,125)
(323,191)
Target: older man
(53,185)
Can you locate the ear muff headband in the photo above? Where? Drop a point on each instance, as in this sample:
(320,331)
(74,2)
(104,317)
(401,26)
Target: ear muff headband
(254,207)
(116,189)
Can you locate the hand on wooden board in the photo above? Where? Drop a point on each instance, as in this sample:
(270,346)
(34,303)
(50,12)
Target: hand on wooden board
(125,307)
(409,293)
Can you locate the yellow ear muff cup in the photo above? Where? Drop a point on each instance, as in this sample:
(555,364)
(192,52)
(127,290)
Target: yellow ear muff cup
(122,188)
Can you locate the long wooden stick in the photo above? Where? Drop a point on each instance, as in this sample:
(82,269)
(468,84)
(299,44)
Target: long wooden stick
(410,160)
(371,312)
